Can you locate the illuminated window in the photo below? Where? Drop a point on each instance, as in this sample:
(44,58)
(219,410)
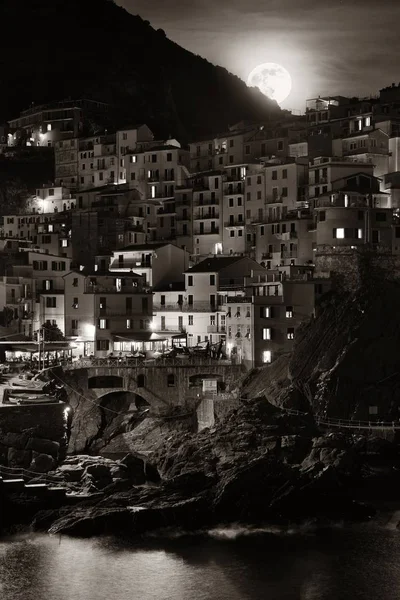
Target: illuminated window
(346,200)
(129,323)
(339,233)
(267,356)
(153,191)
(266,333)
(290,333)
(48,126)
(359,234)
(289,312)
(102,324)
(64,243)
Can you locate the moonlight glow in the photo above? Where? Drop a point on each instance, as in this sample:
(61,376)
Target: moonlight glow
(272,79)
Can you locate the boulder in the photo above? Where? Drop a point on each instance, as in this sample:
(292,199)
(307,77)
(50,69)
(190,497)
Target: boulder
(14,440)
(43,446)
(71,472)
(135,468)
(189,483)
(19,458)
(98,471)
(42,463)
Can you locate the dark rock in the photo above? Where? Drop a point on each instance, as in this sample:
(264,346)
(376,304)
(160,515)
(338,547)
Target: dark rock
(43,446)
(135,468)
(19,458)
(14,440)
(190,483)
(42,463)
(71,472)
(99,471)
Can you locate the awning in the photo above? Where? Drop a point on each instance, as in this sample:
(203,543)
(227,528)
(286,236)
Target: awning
(141,336)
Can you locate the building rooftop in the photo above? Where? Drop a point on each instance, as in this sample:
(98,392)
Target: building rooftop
(214,264)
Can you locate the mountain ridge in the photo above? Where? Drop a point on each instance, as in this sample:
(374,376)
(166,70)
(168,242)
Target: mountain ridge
(104,53)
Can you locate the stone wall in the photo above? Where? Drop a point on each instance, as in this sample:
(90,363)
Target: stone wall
(33,437)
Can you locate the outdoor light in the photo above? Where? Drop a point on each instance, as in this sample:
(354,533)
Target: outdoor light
(153,326)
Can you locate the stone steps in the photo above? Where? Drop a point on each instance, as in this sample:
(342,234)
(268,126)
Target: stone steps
(15,486)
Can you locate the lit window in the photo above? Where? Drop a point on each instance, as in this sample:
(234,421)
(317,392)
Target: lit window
(367,121)
(129,323)
(153,191)
(102,324)
(118,284)
(64,243)
(339,234)
(48,126)
(50,228)
(266,333)
(133,159)
(290,333)
(289,312)
(267,356)
(346,200)
(359,234)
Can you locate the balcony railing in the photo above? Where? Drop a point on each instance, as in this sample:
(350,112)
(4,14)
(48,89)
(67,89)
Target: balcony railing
(289,254)
(234,223)
(125,289)
(123,312)
(208,215)
(211,232)
(233,190)
(186,307)
(216,329)
(129,362)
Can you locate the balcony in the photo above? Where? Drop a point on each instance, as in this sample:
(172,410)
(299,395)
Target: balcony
(102,289)
(186,308)
(233,223)
(233,190)
(266,256)
(289,254)
(166,210)
(124,312)
(216,329)
(211,232)
(205,215)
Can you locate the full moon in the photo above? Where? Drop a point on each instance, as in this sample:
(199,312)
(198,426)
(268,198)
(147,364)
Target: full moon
(272,79)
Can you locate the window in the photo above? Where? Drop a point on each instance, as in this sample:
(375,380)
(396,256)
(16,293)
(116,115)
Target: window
(171,380)
(75,282)
(262,230)
(51,192)
(247,149)
(280,145)
(141,380)
(102,344)
(169,156)
(190,300)
(129,323)
(212,320)
(212,279)
(274,175)
(338,233)
(51,302)
(190,319)
(290,333)
(266,356)
(284,192)
(289,312)
(231,143)
(180,323)
(74,323)
(102,323)
(322,215)
(232,233)
(190,280)
(230,202)
(259,195)
(64,243)
(266,333)
(124,136)
(103,303)
(75,303)
(265,312)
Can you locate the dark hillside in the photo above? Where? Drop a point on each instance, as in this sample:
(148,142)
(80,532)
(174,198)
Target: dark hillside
(52,50)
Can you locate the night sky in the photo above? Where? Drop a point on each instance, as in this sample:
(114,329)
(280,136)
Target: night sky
(348,47)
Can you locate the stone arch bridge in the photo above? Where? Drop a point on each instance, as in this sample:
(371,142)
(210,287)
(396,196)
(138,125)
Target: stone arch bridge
(164,383)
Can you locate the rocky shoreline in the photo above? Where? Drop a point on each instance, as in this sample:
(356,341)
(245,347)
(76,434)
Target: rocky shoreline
(260,465)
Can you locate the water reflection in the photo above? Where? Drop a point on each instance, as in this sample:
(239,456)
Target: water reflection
(338,564)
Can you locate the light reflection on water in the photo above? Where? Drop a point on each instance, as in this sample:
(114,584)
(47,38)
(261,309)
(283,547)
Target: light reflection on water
(334,564)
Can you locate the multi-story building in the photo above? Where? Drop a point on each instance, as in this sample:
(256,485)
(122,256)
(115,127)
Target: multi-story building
(47,124)
(159,263)
(105,313)
(207,214)
(66,163)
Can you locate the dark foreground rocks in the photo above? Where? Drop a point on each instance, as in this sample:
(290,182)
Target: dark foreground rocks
(260,465)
